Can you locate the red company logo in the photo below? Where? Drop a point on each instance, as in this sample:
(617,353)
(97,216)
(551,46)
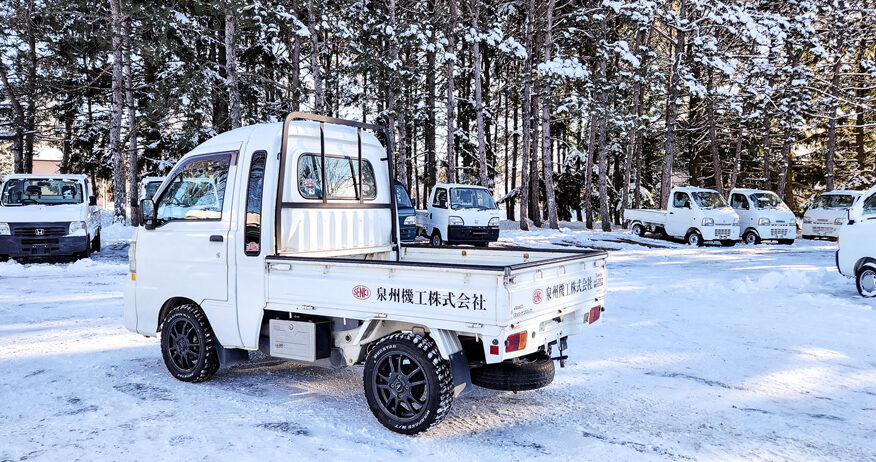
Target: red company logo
(361,292)
(537,296)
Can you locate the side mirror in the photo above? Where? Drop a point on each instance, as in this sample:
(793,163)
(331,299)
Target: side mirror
(92,200)
(147,213)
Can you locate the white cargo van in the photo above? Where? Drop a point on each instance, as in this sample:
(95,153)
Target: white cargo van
(694,214)
(48,216)
(828,213)
(856,255)
(763,216)
(460,214)
(293,249)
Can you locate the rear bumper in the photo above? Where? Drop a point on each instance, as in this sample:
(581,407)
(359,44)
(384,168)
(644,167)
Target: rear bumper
(50,246)
(472,234)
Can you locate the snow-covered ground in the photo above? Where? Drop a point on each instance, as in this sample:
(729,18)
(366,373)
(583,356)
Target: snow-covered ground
(704,354)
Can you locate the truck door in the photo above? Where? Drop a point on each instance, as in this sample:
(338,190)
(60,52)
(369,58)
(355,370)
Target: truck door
(186,254)
(680,214)
(742,208)
(438,212)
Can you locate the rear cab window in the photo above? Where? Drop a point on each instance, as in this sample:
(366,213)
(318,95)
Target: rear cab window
(341,177)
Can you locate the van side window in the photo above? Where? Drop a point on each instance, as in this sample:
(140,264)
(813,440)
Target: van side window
(440,200)
(341,177)
(252,241)
(870,205)
(197,190)
(681,200)
(738,201)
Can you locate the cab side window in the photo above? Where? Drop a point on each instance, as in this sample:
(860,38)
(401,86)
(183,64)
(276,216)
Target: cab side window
(197,190)
(738,201)
(440,200)
(681,200)
(252,242)
(870,206)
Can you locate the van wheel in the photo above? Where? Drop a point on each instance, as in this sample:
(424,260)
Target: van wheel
(751,238)
(694,238)
(409,387)
(436,239)
(638,230)
(531,374)
(188,344)
(866,281)
(95,243)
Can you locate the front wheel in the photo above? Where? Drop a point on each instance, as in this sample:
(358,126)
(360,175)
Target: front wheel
(188,344)
(751,238)
(694,238)
(436,239)
(866,281)
(409,387)
(638,230)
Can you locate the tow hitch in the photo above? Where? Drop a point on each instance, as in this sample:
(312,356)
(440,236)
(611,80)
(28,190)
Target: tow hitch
(561,345)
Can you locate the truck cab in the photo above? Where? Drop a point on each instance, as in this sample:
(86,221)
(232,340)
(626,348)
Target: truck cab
(763,216)
(828,213)
(856,253)
(407,215)
(460,214)
(48,216)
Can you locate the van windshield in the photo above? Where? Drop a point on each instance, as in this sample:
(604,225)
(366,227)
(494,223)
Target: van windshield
(471,198)
(768,200)
(833,201)
(43,191)
(709,200)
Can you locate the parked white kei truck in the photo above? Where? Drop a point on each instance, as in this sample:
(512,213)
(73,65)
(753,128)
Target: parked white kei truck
(460,214)
(694,214)
(763,216)
(856,255)
(299,257)
(828,213)
(48,216)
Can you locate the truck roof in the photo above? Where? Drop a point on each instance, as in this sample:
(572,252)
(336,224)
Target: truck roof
(692,189)
(748,190)
(459,185)
(46,175)
(842,191)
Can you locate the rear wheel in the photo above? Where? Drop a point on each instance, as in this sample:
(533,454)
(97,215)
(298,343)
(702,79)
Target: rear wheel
(409,387)
(436,239)
(694,238)
(638,230)
(866,281)
(527,374)
(188,344)
(751,238)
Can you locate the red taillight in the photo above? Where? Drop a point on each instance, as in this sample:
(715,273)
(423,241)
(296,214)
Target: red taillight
(515,342)
(494,349)
(594,314)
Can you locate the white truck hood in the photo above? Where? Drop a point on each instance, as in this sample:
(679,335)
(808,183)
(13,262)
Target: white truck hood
(43,213)
(475,217)
(776,216)
(827,215)
(722,216)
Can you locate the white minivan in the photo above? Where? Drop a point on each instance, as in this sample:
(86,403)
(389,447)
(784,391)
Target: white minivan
(763,216)
(856,255)
(828,213)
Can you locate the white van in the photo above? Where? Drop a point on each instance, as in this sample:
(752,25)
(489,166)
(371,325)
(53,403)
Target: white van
(48,216)
(284,238)
(856,255)
(828,213)
(763,216)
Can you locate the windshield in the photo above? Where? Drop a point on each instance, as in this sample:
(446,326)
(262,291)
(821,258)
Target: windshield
(831,201)
(43,191)
(709,200)
(402,200)
(471,198)
(151,188)
(768,200)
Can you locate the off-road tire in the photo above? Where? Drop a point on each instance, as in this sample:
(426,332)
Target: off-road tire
(437,390)
(728,243)
(864,280)
(751,238)
(638,230)
(190,322)
(690,240)
(532,374)
(436,240)
(786,241)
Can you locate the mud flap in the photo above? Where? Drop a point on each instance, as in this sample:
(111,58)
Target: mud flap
(229,356)
(461,373)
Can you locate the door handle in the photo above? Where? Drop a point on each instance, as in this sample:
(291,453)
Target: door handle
(216,238)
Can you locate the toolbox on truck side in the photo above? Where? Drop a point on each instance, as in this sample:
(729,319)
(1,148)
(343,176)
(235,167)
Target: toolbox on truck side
(297,254)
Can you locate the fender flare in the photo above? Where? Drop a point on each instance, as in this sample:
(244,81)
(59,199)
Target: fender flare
(751,229)
(866,261)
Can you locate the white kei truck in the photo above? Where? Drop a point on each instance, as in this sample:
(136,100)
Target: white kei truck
(763,216)
(459,214)
(298,256)
(47,216)
(856,252)
(696,215)
(828,213)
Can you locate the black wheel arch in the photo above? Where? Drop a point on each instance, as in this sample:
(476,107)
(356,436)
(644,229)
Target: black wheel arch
(864,261)
(171,304)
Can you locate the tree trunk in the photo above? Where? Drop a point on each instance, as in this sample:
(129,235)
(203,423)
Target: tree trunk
(605,219)
(231,71)
(429,167)
(30,111)
(830,154)
(133,163)
(737,158)
(116,116)
(514,154)
(713,138)
(631,141)
(672,109)
(315,69)
(592,129)
(296,64)
(534,186)
(546,158)
(451,46)
(479,100)
(18,122)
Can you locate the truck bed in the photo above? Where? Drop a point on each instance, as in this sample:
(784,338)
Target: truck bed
(480,291)
(647,216)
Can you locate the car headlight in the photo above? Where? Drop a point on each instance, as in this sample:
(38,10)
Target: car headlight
(807,220)
(736,222)
(494,221)
(708,222)
(455,221)
(76,227)
(411,220)
(4,229)
(839,221)
(763,222)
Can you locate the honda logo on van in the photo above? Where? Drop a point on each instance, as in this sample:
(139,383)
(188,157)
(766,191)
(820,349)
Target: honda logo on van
(361,292)
(39,232)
